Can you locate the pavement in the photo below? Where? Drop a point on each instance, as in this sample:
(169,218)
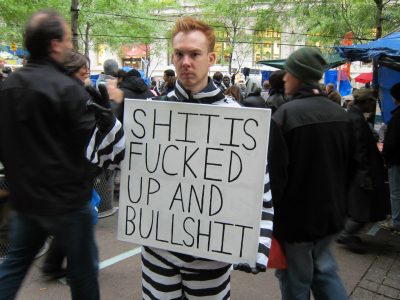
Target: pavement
(374,275)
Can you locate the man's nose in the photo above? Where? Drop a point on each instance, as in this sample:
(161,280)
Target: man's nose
(186,60)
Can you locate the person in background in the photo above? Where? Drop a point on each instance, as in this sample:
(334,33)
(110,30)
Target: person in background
(391,154)
(226,82)
(234,92)
(121,75)
(276,92)
(169,82)
(153,87)
(368,199)
(133,87)
(254,99)
(240,81)
(77,67)
(265,90)
(217,79)
(310,159)
(332,94)
(49,141)
(110,67)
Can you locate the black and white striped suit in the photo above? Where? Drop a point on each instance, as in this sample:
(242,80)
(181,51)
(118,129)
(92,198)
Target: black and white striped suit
(170,275)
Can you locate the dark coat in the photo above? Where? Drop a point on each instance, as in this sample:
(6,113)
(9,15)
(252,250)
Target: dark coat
(275,99)
(253,101)
(45,127)
(391,145)
(133,88)
(368,195)
(310,161)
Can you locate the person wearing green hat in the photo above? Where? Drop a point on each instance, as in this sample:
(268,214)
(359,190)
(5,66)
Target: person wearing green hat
(310,157)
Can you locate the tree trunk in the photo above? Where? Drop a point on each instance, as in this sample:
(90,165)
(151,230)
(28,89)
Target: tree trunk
(87,39)
(74,23)
(233,42)
(379,9)
(375,87)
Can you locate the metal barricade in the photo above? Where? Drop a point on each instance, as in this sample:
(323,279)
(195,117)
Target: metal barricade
(4,216)
(104,185)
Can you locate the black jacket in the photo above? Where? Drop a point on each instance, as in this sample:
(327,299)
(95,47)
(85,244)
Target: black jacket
(391,145)
(133,88)
(310,156)
(44,130)
(254,101)
(368,196)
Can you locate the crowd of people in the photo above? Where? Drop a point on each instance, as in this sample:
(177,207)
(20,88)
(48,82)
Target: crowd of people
(324,180)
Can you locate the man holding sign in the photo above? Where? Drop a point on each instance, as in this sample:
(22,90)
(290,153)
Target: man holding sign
(208,168)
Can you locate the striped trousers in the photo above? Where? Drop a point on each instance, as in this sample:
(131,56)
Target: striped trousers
(169,276)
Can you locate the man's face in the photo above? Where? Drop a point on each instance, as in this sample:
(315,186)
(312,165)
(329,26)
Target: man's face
(292,84)
(166,78)
(226,81)
(192,59)
(61,49)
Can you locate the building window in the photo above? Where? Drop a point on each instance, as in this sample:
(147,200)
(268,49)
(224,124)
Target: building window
(267,45)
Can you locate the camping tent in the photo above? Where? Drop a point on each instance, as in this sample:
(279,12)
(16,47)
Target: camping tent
(333,60)
(386,52)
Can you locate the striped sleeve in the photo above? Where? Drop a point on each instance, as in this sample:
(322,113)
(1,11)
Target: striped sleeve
(107,149)
(266,224)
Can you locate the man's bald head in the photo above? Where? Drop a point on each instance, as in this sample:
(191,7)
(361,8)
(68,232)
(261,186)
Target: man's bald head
(41,29)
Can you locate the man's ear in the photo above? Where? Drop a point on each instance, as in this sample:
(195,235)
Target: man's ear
(211,58)
(55,46)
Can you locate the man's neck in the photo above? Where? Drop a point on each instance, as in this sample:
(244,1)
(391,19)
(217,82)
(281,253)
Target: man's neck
(198,89)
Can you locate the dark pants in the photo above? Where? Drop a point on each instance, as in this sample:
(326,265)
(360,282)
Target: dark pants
(75,232)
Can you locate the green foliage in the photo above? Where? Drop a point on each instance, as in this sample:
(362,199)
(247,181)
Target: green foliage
(327,21)
(111,22)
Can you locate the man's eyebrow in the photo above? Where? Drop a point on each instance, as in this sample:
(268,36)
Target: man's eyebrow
(186,50)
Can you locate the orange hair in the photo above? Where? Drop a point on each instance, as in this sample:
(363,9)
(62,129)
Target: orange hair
(189,24)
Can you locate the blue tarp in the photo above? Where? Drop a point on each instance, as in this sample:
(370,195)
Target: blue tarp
(265,75)
(388,78)
(345,88)
(20,52)
(331,76)
(386,52)
(386,48)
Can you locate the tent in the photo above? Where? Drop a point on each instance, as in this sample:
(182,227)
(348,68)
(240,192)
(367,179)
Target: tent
(364,77)
(386,52)
(333,60)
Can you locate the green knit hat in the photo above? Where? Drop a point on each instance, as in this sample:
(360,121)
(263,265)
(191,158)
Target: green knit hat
(306,64)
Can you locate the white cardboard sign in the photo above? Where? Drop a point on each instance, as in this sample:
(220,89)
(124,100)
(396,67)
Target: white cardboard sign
(193,178)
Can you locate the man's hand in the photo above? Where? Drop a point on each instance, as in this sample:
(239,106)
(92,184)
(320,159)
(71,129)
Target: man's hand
(246,268)
(100,104)
(116,94)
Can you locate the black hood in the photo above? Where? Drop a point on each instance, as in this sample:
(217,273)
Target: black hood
(134,84)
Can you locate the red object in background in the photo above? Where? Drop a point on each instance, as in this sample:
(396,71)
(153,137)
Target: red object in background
(364,77)
(135,50)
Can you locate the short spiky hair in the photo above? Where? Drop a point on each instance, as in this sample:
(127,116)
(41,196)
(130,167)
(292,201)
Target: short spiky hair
(189,24)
